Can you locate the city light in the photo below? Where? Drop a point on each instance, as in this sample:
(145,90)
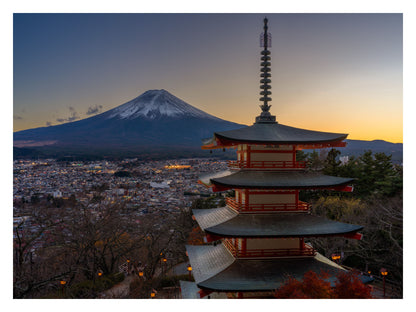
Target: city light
(177,166)
(384,272)
(189,270)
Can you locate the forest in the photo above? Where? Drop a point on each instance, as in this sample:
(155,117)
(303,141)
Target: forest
(376,203)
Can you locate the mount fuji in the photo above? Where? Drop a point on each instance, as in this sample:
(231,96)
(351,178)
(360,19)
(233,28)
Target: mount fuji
(156,119)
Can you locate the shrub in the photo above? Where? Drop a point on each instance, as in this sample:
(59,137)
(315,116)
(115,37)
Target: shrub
(314,286)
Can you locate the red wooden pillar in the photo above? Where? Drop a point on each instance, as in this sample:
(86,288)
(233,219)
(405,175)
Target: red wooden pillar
(243,246)
(294,152)
(247,202)
(239,154)
(297,199)
(302,243)
(248,151)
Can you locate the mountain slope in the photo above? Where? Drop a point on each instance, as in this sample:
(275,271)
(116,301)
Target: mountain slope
(155,118)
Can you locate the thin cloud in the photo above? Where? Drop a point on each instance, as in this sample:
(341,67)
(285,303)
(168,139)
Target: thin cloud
(16,117)
(48,124)
(92,110)
(73,115)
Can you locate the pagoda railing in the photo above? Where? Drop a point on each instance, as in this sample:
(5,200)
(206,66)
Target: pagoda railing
(307,251)
(267,164)
(300,206)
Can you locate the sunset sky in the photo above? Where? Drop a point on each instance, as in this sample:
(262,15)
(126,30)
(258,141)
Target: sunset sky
(330,72)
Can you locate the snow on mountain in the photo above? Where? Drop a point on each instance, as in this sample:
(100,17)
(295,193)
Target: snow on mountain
(156,104)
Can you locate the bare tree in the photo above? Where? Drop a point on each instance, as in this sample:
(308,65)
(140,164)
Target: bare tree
(32,240)
(382,243)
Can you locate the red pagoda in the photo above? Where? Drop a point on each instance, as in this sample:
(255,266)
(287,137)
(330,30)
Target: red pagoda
(259,238)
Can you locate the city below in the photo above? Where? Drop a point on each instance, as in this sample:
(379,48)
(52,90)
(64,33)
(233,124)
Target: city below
(154,187)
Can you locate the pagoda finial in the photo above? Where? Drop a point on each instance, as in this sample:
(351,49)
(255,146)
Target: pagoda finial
(265,42)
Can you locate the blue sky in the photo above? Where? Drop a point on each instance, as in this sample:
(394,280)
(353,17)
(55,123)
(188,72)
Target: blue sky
(332,72)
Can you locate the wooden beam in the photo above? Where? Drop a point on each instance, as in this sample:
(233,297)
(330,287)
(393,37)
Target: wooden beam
(357,236)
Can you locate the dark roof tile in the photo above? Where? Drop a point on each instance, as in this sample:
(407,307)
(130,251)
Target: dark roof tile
(225,222)
(275,133)
(252,275)
(278,179)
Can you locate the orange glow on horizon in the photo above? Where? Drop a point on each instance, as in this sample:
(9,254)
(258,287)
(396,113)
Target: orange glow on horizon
(387,126)
(330,72)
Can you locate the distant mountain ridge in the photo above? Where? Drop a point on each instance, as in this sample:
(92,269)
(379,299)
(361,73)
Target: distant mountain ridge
(358,147)
(154,122)
(375,145)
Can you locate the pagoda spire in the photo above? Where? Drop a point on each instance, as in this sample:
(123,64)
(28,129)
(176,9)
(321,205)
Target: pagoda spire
(265,42)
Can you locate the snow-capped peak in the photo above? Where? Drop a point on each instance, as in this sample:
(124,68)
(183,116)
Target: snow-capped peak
(154,104)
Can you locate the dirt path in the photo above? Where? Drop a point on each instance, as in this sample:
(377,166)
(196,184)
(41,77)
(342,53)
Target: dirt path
(120,290)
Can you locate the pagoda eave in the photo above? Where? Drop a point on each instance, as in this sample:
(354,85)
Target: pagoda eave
(218,187)
(217,235)
(212,274)
(224,222)
(222,142)
(219,142)
(275,134)
(256,179)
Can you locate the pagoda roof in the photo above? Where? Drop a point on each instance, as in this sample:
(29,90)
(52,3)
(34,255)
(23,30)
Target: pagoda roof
(267,179)
(225,222)
(272,133)
(189,290)
(253,274)
(207,261)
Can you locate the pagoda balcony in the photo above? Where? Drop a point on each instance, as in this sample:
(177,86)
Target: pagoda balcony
(283,207)
(307,251)
(233,164)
